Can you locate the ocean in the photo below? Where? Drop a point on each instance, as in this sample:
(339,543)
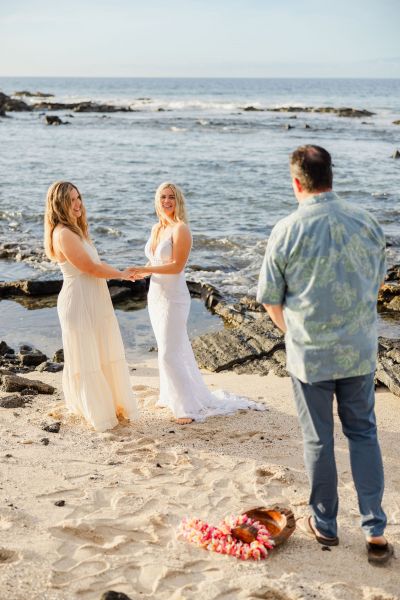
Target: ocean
(231,164)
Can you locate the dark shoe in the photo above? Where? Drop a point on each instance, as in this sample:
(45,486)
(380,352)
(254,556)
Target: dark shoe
(379,554)
(305,525)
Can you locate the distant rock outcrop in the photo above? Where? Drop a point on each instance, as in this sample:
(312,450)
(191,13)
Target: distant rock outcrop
(27,94)
(340,112)
(11,104)
(80,107)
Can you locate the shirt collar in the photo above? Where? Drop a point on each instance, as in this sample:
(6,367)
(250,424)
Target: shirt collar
(318,199)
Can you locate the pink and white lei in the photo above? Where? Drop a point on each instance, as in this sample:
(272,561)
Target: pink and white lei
(219,539)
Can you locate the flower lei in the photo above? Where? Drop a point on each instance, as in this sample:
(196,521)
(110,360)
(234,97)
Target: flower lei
(219,539)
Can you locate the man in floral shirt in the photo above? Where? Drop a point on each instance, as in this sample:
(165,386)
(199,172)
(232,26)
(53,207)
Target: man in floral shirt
(319,282)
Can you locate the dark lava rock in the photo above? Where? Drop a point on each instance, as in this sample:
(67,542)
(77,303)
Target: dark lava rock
(5,349)
(11,104)
(393,274)
(111,595)
(253,109)
(52,427)
(59,356)
(10,382)
(51,367)
(389,294)
(388,368)
(15,401)
(54,120)
(28,94)
(38,294)
(59,503)
(340,112)
(29,288)
(90,107)
(208,293)
(396,154)
(119,294)
(29,392)
(287,127)
(31,357)
(45,441)
(351,112)
(250,304)
(247,339)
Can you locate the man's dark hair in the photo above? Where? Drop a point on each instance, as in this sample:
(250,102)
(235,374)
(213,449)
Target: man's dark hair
(312,166)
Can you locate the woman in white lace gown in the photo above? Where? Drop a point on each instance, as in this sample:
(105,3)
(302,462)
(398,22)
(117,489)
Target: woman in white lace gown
(182,388)
(96,381)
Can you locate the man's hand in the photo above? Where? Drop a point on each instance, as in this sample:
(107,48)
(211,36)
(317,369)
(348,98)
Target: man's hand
(275,312)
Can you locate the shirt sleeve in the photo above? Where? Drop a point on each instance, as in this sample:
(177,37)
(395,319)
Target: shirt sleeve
(382,262)
(380,241)
(271,283)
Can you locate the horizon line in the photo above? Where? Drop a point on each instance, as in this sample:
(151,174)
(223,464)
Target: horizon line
(188,77)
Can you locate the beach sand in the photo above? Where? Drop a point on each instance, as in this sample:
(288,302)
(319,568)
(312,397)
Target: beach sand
(126,490)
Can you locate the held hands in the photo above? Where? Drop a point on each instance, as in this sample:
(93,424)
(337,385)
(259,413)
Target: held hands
(134,273)
(129,274)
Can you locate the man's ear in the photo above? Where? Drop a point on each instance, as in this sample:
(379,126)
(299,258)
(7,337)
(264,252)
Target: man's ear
(297,185)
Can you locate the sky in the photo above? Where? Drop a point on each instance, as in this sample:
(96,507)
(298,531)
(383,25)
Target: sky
(200,38)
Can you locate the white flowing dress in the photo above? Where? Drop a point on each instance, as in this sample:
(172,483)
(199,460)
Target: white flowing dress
(182,388)
(96,381)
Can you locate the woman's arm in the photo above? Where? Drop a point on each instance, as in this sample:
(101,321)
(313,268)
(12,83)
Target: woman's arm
(181,245)
(74,251)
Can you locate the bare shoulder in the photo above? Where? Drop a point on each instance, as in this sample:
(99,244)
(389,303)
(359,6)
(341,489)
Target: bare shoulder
(68,241)
(181,229)
(65,234)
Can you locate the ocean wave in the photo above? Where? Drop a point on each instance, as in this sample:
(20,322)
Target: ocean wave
(177,129)
(110,231)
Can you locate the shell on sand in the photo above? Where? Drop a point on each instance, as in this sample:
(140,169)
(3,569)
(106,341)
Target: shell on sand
(279,521)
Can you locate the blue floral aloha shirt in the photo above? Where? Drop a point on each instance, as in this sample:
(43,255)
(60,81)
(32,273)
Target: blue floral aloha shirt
(324,263)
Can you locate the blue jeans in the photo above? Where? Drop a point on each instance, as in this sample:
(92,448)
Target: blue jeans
(355,399)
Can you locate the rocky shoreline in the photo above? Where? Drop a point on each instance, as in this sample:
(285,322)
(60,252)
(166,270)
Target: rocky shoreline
(14,103)
(249,342)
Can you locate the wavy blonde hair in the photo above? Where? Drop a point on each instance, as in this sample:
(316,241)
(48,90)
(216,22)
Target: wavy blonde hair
(58,204)
(180,214)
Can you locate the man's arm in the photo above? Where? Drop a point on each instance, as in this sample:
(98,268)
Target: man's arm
(275,312)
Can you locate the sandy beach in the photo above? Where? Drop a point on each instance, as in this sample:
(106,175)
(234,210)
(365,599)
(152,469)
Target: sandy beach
(126,490)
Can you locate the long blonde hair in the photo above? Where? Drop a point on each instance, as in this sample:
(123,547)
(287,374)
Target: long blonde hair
(180,214)
(58,204)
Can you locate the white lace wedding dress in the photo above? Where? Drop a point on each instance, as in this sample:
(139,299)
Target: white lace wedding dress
(182,388)
(96,380)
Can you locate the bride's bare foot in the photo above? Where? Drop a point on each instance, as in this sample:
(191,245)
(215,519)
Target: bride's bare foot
(183,421)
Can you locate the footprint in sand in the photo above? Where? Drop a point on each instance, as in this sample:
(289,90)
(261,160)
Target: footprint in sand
(271,594)
(8,556)
(82,570)
(272,482)
(344,591)
(230,593)
(393,514)
(245,435)
(5,523)
(146,395)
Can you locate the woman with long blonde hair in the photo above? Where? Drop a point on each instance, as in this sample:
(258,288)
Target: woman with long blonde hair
(182,388)
(96,381)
